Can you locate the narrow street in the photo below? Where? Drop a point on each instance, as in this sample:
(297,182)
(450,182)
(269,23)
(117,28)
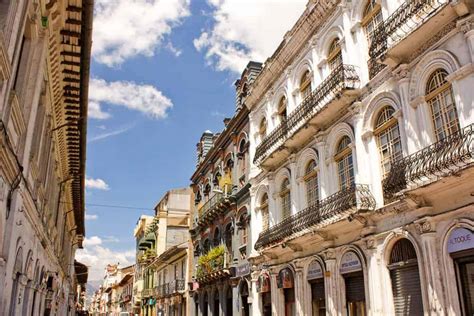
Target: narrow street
(236,157)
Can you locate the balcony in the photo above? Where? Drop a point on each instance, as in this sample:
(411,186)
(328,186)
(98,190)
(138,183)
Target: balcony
(216,205)
(213,266)
(169,289)
(319,109)
(409,28)
(441,159)
(327,211)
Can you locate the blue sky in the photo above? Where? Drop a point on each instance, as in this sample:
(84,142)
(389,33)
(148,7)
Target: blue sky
(162,73)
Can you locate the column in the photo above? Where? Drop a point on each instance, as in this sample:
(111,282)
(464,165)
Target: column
(323,174)
(333,307)
(295,203)
(374,280)
(277,300)
(256,300)
(299,291)
(429,262)
(409,125)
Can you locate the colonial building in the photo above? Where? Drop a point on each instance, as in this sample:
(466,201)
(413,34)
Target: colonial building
(220,229)
(361,142)
(171,290)
(44,73)
(124,291)
(167,229)
(140,235)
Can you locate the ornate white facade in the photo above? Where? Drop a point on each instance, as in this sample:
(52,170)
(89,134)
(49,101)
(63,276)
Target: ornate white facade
(363,182)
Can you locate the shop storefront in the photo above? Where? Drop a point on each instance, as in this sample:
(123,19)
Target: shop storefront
(461,249)
(405,277)
(286,282)
(264,290)
(315,278)
(351,270)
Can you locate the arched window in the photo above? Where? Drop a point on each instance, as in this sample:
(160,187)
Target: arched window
(216,238)
(305,85)
(311,182)
(206,246)
(264,211)
(405,277)
(282,108)
(262,129)
(285,195)
(372,18)
(335,54)
(388,139)
(345,168)
(439,96)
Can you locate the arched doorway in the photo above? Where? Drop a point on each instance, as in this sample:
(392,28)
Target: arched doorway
(205,304)
(17,271)
(287,284)
(351,270)
(405,277)
(216,305)
(264,289)
(229,306)
(244,297)
(315,278)
(461,249)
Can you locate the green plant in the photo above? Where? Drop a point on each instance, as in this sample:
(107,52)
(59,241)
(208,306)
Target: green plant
(211,261)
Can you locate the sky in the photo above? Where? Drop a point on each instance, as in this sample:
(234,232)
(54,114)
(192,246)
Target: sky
(162,72)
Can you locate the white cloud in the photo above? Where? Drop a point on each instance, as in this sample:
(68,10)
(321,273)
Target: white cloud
(97,184)
(93,241)
(126,28)
(175,51)
(96,256)
(139,97)
(91,217)
(96,112)
(245,30)
(109,134)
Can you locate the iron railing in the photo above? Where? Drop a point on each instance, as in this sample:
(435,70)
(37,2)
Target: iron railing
(407,18)
(440,159)
(344,77)
(169,288)
(207,210)
(358,196)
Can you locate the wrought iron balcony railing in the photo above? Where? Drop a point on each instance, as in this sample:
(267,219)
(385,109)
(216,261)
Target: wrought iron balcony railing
(440,159)
(213,206)
(406,19)
(169,288)
(357,196)
(344,77)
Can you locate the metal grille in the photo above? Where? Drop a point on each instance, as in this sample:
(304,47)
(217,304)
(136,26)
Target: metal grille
(344,77)
(406,290)
(441,101)
(402,252)
(388,139)
(311,180)
(356,197)
(442,158)
(345,167)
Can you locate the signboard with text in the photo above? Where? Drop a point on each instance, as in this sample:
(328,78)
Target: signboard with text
(460,239)
(350,262)
(315,271)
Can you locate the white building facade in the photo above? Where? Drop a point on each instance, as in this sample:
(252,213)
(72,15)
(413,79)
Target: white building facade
(361,138)
(44,74)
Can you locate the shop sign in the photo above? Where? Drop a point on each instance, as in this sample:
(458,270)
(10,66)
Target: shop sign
(460,239)
(263,283)
(285,279)
(243,270)
(350,263)
(315,271)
